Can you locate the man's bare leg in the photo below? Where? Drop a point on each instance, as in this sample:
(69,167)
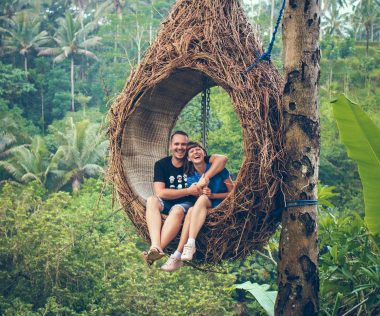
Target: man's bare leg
(171,226)
(153,220)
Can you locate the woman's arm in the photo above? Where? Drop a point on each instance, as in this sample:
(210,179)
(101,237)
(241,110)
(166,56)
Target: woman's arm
(229,184)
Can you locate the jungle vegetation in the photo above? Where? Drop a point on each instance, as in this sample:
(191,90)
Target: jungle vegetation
(66,248)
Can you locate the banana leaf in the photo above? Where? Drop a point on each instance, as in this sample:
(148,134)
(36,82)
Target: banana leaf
(266,299)
(362,139)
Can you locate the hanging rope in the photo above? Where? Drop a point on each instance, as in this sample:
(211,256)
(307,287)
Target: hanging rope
(205,111)
(267,55)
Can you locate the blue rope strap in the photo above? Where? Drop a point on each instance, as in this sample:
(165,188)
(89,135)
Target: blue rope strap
(267,55)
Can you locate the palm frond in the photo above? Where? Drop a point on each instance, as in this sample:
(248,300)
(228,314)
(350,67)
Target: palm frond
(91,42)
(52,51)
(87,54)
(92,170)
(60,58)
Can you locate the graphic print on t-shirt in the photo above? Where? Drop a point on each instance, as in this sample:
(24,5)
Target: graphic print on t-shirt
(173,177)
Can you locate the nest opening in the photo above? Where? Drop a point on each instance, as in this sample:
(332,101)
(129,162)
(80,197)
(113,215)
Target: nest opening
(158,109)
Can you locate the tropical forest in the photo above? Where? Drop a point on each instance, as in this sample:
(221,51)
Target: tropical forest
(67,246)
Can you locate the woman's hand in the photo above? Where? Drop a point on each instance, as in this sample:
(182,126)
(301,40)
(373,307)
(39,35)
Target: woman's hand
(206,191)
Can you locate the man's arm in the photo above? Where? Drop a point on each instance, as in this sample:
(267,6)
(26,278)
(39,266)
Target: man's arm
(172,194)
(218,163)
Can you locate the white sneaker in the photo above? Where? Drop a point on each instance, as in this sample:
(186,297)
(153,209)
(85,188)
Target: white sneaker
(172,264)
(188,253)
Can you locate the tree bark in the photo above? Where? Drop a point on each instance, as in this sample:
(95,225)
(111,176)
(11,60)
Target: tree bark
(298,280)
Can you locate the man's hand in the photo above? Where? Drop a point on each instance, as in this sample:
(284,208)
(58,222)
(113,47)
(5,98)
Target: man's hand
(206,191)
(193,190)
(203,181)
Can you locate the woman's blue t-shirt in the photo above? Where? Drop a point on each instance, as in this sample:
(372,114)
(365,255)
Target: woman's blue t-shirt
(216,184)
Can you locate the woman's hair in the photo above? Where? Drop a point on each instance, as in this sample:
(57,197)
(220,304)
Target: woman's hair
(188,166)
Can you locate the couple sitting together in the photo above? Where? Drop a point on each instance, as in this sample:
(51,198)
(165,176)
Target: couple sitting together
(186,184)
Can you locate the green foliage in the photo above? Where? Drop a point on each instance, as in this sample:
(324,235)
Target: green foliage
(349,263)
(13,84)
(7,137)
(23,36)
(63,254)
(325,193)
(267,299)
(362,139)
(336,168)
(72,39)
(225,133)
(60,255)
(82,149)
(28,163)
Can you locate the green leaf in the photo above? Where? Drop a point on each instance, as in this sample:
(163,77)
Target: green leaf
(265,298)
(325,193)
(362,139)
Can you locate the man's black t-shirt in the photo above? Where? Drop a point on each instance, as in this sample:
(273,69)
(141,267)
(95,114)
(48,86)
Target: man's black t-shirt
(173,177)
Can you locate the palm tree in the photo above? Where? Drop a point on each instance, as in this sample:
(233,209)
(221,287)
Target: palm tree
(71,42)
(7,138)
(83,147)
(367,12)
(23,35)
(335,22)
(29,162)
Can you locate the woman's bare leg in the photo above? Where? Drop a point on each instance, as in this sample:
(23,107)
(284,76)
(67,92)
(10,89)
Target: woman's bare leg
(185,230)
(198,215)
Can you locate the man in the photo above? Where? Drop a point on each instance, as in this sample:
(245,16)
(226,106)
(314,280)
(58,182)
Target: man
(172,195)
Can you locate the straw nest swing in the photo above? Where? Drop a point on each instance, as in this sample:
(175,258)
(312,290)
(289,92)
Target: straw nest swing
(212,39)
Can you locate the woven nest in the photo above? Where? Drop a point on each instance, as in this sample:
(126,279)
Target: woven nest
(212,39)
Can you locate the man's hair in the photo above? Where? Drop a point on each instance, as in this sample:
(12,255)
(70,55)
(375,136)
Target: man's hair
(178,133)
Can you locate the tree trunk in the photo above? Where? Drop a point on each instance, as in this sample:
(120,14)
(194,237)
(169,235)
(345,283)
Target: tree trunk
(115,43)
(330,81)
(72,84)
(367,30)
(76,184)
(298,280)
(26,65)
(42,111)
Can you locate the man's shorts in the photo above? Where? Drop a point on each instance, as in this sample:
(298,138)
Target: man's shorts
(167,206)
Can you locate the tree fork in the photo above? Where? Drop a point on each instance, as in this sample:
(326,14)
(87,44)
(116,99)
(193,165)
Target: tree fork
(298,280)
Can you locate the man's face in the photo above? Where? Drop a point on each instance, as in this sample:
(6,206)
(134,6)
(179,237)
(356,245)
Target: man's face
(178,146)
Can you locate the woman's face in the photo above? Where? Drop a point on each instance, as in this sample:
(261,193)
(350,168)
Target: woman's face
(196,154)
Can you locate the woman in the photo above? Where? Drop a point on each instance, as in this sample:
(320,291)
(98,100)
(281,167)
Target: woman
(211,195)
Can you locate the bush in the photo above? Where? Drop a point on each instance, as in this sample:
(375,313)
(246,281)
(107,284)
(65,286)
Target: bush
(62,254)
